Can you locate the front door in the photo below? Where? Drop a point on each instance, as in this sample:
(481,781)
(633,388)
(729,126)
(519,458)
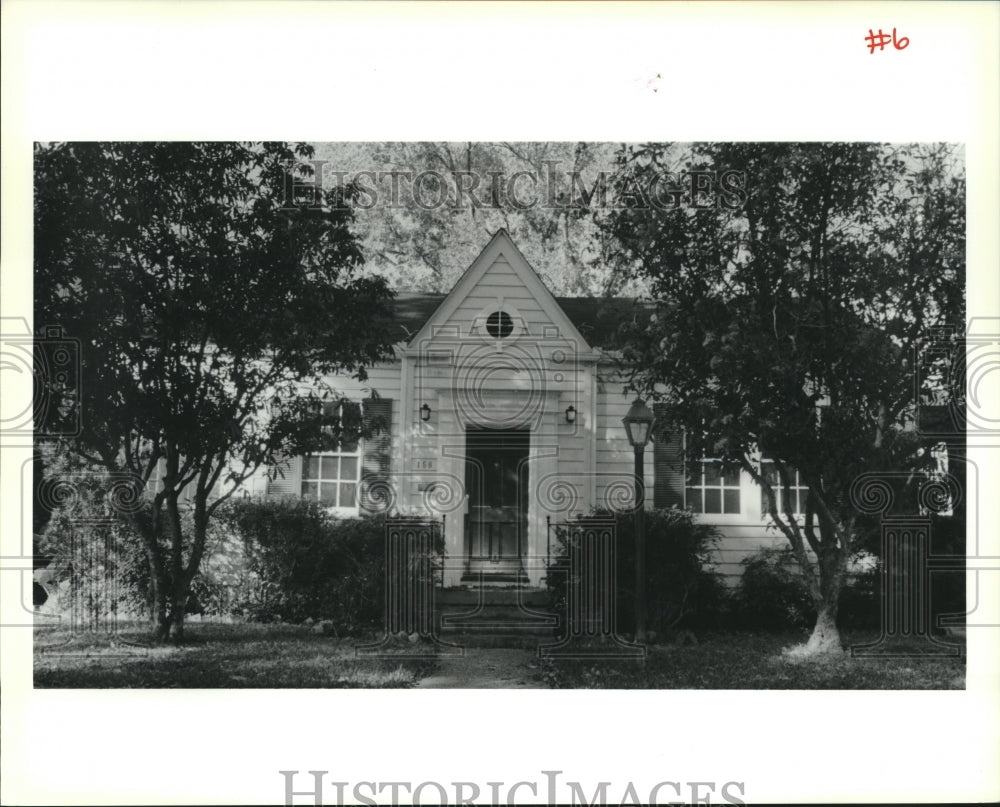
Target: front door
(496,479)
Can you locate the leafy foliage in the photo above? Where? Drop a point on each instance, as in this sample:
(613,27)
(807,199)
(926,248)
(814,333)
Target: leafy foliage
(771,594)
(789,324)
(203,307)
(467,191)
(92,572)
(83,543)
(87,542)
(682,590)
(860,604)
(311,565)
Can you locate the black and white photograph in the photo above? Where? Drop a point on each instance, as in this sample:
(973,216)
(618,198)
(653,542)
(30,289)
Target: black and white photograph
(604,428)
(323,422)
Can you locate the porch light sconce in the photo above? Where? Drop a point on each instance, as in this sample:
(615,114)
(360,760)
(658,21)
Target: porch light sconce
(571,414)
(425,413)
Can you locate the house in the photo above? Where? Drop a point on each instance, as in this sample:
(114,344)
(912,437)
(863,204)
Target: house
(504,407)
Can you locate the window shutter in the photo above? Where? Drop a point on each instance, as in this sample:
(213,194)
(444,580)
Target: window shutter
(668,462)
(376,455)
(285,477)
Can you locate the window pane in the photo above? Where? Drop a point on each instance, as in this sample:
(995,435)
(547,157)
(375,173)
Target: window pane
(693,473)
(328,468)
(348,491)
(732,478)
(309,491)
(713,500)
(329,411)
(732,501)
(349,447)
(769,472)
(349,468)
(712,474)
(328,494)
(694,500)
(310,469)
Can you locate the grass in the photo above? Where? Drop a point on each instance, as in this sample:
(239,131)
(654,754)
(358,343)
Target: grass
(247,655)
(755,661)
(215,655)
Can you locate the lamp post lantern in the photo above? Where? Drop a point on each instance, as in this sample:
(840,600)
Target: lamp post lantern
(639,426)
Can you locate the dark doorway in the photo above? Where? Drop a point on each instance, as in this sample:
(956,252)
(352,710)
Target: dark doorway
(496,479)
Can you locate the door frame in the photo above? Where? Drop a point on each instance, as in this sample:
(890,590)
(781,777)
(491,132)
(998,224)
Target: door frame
(543,456)
(497,440)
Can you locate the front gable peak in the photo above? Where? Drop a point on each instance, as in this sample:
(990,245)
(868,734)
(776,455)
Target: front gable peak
(500,296)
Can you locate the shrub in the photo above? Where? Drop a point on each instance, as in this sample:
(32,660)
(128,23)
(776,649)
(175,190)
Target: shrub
(860,606)
(108,564)
(682,591)
(947,588)
(224,585)
(771,595)
(861,597)
(87,558)
(304,563)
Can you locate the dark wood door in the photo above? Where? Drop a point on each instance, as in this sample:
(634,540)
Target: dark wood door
(497,483)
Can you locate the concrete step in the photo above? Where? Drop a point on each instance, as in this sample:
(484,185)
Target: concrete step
(501,618)
(522,641)
(471,596)
(498,631)
(496,580)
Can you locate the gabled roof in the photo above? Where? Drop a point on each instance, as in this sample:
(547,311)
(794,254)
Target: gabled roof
(501,244)
(594,320)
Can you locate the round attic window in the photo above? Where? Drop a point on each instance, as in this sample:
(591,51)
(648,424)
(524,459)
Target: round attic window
(499,325)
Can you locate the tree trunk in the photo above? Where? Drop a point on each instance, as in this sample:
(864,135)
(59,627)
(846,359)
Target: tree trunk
(161,625)
(825,638)
(177,617)
(157,580)
(178,582)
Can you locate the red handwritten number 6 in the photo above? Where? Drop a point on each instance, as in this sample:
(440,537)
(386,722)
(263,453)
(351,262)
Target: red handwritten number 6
(881,39)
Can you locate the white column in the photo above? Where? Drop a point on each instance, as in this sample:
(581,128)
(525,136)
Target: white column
(450,455)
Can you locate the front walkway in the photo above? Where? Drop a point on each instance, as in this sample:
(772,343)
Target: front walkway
(487,668)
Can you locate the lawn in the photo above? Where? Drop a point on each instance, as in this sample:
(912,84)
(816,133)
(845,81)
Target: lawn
(241,655)
(248,655)
(755,661)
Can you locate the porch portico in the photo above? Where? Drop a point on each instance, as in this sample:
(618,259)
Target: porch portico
(499,530)
(487,382)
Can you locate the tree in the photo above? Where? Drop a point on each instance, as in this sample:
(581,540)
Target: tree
(450,198)
(785,316)
(208,314)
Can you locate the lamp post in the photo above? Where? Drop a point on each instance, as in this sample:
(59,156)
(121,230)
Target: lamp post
(639,426)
